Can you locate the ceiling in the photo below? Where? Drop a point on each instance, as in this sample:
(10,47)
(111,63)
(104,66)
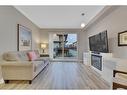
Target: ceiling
(59,16)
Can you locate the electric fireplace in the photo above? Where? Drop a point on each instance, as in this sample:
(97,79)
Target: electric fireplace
(96,61)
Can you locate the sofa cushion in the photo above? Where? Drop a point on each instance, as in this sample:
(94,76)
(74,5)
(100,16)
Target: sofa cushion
(15,56)
(39,59)
(43,59)
(23,56)
(37,65)
(32,56)
(121,76)
(11,56)
(37,53)
(120,81)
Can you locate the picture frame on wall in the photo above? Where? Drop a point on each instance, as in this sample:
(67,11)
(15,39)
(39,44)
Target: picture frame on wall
(122,38)
(24,38)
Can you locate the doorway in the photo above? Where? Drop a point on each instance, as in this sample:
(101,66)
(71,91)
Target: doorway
(65,46)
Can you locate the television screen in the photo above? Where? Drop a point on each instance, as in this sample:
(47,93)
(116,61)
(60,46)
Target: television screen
(99,42)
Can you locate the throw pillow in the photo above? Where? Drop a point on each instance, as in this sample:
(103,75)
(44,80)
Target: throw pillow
(32,56)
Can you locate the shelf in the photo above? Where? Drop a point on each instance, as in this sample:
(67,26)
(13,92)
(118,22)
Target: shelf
(60,41)
(44,55)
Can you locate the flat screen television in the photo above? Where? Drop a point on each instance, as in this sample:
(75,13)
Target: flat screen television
(99,42)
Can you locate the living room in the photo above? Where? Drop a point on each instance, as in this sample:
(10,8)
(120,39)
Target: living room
(108,19)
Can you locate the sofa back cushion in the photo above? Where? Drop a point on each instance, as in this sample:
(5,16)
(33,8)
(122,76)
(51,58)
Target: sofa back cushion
(11,56)
(23,55)
(37,53)
(15,56)
(32,56)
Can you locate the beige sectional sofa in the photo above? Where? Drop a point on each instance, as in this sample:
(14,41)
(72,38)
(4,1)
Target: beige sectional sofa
(16,66)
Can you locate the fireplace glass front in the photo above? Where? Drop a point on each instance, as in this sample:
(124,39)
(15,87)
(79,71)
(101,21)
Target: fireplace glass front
(96,61)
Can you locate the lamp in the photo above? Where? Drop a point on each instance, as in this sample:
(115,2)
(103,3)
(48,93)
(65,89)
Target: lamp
(43,46)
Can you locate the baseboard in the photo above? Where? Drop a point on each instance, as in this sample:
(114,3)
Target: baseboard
(63,60)
(80,61)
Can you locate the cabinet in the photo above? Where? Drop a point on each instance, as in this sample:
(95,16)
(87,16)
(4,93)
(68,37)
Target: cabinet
(44,55)
(87,58)
(107,66)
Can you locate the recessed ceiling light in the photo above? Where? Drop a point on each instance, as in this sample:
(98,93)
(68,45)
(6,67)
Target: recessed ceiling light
(83,25)
(83,14)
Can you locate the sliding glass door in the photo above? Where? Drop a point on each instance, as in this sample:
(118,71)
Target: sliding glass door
(70,46)
(64,46)
(58,46)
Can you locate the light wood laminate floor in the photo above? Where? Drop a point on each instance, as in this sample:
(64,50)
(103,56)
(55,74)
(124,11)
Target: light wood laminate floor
(62,75)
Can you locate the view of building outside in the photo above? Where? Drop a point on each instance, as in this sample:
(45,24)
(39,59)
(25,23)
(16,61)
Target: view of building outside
(65,45)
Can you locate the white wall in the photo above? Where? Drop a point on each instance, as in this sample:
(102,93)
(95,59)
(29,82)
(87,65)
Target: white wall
(44,37)
(9,18)
(113,22)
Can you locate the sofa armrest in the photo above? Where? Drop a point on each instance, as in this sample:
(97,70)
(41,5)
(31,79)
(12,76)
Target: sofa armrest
(15,63)
(118,71)
(23,70)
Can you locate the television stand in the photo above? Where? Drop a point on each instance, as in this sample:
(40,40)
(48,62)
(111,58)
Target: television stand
(104,71)
(95,52)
